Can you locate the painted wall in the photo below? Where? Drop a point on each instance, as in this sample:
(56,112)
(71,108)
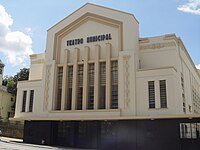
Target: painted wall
(7,100)
(36,67)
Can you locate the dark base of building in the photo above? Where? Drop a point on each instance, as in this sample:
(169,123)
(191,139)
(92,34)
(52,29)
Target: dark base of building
(159,134)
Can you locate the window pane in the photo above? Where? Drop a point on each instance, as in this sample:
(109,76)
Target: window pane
(59,88)
(163,94)
(24,101)
(91,86)
(189,130)
(31,101)
(69,92)
(114,85)
(151,87)
(102,88)
(80,87)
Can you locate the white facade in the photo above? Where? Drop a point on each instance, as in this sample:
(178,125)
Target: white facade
(93,58)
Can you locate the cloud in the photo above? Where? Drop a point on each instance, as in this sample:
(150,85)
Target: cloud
(15,45)
(192,6)
(198,66)
(28,30)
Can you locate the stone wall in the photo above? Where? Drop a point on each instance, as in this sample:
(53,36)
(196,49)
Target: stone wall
(12,129)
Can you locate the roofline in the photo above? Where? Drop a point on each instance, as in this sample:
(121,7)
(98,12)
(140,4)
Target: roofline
(178,40)
(96,6)
(157,36)
(189,57)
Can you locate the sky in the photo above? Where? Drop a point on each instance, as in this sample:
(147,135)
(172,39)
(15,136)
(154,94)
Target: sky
(24,24)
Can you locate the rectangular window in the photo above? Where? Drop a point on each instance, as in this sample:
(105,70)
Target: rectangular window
(69,93)
(183,93)
(114,85)
(102,88)
(189,130)
(24,101)
(91,86)
(151,87)
(163,94)
(31,101)
(80,87)
(59,88)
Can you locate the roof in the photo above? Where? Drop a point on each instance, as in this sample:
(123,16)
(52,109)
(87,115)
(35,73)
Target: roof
(94,5)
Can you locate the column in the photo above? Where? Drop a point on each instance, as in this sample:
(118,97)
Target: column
(85,78)
(64,81)
(108,75)
(74,84)
(157,94)
(27,101)
(96,76)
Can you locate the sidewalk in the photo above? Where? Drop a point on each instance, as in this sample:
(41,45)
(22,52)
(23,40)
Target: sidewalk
(7,139)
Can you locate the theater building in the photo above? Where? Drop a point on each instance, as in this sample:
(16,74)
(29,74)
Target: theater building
(100,85)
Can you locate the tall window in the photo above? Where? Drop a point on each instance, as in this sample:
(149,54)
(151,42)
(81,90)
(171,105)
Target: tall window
(151,87)
(69,93)
(31,101)
(114,85)
(163,94)
(102,88)
(80,87)
(24,101)
(91,86)
(59,88)
(183,93)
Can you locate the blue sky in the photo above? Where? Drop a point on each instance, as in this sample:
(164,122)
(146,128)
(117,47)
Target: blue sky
(23,24)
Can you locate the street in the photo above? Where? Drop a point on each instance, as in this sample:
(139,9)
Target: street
(21,146)
(7,144)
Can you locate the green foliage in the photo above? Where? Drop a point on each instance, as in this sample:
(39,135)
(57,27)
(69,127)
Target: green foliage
(11,85)
(11,82)
(22,75)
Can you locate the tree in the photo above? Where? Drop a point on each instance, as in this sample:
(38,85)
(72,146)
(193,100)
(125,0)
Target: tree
(11,85)
(11,82)
(22,75)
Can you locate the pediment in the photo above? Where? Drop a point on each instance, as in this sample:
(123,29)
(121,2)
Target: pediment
(88,24)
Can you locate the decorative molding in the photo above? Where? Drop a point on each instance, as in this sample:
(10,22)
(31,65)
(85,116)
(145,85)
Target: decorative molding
(47,81)
(33,56)
(144,40)
(157,45)
(126,68)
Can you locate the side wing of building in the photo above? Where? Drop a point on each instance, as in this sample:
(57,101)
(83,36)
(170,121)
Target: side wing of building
(167,80)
